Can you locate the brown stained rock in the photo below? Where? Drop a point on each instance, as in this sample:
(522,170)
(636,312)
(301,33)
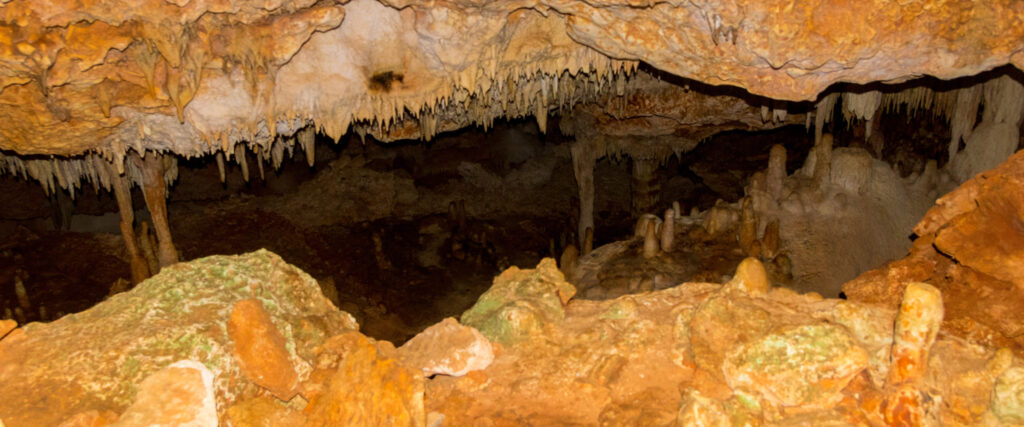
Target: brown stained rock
(447,348)
(260,349)
(180,394)
(367,388)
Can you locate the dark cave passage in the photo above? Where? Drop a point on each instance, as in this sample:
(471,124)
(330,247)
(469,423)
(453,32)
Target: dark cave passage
(400,235)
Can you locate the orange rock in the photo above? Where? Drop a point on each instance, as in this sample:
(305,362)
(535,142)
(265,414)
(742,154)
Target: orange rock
(447,348)
(91,418)
(260,349)
(908,406)
(264,411)
(367,388)
(917,325)
(7,325)
(180,394)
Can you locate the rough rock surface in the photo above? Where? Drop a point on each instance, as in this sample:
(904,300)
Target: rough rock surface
(180,394)
(817,362)
(520,303)
(740,353)
(447,348)
(170,74)
(260,349)
(970,247)
(367,386)
(97,359)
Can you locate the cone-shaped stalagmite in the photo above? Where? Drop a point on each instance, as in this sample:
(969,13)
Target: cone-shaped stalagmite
(122,192)
(154,188)
(668,232)
(651,241)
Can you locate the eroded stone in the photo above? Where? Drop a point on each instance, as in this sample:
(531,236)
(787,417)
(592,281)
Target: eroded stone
(447,348)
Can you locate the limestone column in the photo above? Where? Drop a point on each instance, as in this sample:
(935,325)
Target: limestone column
(584,157)
(646,189)
(154,188)
(122,192)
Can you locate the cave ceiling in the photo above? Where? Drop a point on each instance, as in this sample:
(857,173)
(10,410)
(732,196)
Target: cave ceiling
(198,76)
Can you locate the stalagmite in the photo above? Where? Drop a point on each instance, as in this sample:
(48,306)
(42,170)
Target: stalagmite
(154,189)
(568,261)
(640,230)
(588,241)
(646,189)
(748,229)
(917,325)
(651,241)
(122,193)
(750,278)
(583,159)
(776,175)
(668,232)
(677,208)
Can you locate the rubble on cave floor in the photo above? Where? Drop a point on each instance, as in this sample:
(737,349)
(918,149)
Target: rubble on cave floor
(272,349)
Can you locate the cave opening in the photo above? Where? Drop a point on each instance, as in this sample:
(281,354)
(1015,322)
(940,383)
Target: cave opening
(402,234)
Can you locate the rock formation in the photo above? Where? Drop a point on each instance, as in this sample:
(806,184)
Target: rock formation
(724,316)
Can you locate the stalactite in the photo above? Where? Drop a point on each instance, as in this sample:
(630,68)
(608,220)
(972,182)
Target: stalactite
(307,139)
(243,162)
(964,114)
(220,166)
(998,134)
(823,114)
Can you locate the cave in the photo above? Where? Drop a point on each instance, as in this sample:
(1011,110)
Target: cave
(375,212)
